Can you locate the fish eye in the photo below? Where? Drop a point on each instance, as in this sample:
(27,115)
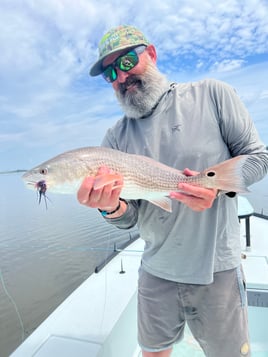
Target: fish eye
(43,171)
(211,173)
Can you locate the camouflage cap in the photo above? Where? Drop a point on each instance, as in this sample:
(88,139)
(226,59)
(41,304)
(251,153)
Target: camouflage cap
(118,38)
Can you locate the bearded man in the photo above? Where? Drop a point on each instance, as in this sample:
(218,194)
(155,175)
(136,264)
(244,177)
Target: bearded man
(191,269)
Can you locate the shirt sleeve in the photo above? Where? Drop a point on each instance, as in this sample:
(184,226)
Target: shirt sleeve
(128,219)
(239,132)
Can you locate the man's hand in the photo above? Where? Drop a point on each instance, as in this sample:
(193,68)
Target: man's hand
(105,198)
(195,197)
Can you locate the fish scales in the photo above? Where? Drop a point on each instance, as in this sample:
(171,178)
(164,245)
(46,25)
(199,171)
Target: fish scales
(135,169)
(143,177)
(139,171)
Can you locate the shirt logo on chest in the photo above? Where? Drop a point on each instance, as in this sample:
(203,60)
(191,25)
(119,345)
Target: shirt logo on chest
(175,128)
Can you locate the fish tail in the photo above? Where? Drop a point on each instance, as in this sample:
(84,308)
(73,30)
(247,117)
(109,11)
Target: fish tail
(228,175)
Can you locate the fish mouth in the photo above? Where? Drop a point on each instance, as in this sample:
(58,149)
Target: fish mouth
(31,184)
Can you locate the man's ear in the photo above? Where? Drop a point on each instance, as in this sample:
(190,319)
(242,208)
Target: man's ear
(152,52)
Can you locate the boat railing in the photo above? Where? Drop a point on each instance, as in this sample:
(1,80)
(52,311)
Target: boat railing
(117,249)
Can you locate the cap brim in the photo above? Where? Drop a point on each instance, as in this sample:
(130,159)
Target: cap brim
(96,69)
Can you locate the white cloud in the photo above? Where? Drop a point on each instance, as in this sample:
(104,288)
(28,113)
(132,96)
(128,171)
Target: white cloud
(47,47)
(36,35)
(227,65)
(264,94)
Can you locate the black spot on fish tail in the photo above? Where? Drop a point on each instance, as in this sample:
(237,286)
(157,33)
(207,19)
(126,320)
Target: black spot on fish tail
(211,173)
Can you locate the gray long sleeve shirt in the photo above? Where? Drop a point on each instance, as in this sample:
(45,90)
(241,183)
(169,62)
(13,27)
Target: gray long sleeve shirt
(195,125)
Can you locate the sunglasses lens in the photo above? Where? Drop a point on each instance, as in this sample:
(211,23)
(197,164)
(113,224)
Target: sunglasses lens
(109,74)
(124,63)
(128,61)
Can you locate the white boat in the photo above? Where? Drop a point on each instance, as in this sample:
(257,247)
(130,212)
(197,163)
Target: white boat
(99,318)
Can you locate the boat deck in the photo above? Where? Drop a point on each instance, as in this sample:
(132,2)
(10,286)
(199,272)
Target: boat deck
(99,318)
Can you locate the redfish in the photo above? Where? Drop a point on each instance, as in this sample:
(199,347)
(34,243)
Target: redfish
(143,177)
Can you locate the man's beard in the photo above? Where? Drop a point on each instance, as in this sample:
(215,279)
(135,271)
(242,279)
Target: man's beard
(139,101)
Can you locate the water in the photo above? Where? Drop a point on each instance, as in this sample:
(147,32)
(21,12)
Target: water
(46,254)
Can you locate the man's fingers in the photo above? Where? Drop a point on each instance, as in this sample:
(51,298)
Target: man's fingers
(189,172)
(85,189)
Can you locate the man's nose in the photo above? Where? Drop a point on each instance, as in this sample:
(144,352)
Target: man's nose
(121,75)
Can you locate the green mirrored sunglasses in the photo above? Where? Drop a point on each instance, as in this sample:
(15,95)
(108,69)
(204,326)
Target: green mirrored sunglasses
(124,62)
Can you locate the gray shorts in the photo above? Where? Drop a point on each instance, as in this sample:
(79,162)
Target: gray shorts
(216,314)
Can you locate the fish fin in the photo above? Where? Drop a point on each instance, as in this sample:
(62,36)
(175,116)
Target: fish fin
(165,203)
(106,179)
(228,175)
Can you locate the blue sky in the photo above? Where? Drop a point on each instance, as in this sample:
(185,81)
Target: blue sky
(49,103)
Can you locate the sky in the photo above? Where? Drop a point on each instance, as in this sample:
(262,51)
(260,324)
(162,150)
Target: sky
(50,104)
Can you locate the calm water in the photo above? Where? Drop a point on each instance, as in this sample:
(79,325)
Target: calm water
(46,254)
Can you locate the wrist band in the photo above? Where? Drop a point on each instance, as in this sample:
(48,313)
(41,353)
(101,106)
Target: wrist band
(105,213)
